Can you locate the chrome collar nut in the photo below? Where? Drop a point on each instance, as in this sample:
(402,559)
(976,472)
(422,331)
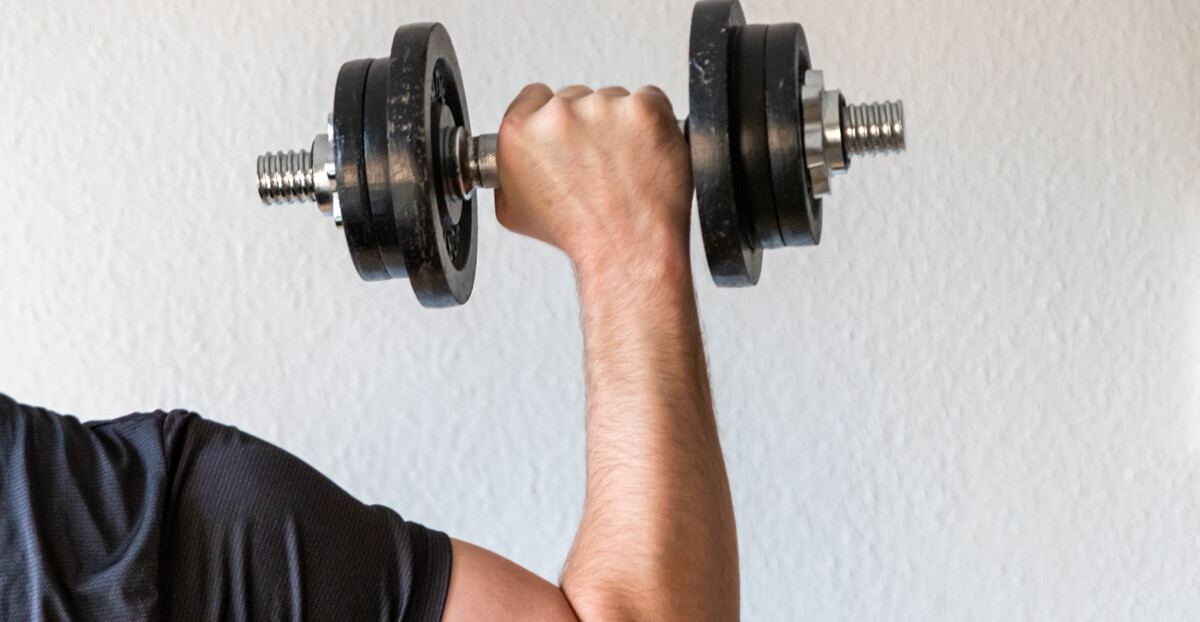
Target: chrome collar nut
(834,131)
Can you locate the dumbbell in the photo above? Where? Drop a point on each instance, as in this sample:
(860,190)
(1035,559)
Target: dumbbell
(398,167)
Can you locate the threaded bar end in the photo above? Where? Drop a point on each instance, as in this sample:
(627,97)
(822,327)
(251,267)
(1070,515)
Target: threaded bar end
(286,177)
(874,128)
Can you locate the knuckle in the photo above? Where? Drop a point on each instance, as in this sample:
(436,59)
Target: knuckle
(512,127)
(574,90)
(535,92)
(613,92)
(559,109)
(653,93)
(536,87)
(647,102)
(650,108)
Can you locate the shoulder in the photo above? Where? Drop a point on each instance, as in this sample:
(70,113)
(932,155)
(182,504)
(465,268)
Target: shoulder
(234,498)
(34,425)
(83,501)
(219,518)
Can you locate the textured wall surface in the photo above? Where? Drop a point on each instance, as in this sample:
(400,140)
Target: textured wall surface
(976,400)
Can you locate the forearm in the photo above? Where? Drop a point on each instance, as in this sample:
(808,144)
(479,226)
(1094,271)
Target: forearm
(657,540)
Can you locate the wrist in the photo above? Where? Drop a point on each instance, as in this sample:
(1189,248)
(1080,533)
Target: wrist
(664,262)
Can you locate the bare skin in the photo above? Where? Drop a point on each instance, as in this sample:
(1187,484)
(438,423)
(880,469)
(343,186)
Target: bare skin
(605,176)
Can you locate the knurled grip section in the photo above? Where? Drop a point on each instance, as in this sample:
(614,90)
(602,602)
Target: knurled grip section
(484,170)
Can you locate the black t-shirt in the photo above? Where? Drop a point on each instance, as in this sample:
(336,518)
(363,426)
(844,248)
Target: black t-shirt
(168,516)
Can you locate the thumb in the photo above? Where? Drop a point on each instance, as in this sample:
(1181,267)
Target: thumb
(501,207)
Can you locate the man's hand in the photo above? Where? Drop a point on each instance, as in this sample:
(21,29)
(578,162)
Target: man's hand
(605,176)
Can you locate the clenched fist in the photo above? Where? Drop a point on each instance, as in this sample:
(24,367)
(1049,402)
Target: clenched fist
(603,175)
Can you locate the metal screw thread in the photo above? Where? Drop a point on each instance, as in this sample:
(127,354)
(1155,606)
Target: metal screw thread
(286,177)
(874,128)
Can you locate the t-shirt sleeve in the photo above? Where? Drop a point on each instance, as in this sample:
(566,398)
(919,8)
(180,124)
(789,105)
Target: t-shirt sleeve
(171,516)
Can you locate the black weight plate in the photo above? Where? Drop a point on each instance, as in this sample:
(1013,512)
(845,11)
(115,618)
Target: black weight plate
(378,182)
(450,207)
(786,61)
(734,258)
(754,195)
(351,173)
(438,238)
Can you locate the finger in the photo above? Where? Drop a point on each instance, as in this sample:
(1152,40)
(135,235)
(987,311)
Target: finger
(529,100)
(512,216)
(574,91)
(613,91)
(501,203)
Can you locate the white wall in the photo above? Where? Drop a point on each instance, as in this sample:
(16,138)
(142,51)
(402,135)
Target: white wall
(976,400)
